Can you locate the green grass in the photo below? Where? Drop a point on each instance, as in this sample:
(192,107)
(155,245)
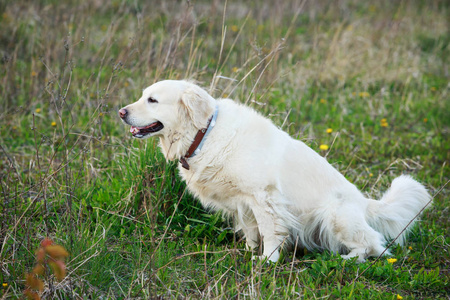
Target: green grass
(70,171)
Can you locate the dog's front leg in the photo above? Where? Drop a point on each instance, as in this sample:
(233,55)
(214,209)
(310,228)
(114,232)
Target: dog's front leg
(250,230)
(268,231)
(245,221)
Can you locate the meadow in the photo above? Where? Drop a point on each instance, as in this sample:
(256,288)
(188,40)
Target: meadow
(364,83)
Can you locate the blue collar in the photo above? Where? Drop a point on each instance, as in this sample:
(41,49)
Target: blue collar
(212,123)
(199,140)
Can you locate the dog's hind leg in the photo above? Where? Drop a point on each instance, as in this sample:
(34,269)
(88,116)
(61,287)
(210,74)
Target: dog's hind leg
(354,233)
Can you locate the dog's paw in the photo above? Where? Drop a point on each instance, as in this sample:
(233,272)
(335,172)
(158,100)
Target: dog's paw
(273,258)
(263,259)
(249,245)
(258,257)
(359,259)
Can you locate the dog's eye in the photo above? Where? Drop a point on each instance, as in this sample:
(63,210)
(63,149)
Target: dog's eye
(152,100)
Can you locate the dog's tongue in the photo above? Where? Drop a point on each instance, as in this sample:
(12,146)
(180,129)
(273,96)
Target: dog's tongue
(134,129)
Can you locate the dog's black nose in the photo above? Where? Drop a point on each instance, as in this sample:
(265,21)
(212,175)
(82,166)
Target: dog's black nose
(123,113)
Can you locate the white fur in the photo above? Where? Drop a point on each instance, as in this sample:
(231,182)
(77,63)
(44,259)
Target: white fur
(277,189)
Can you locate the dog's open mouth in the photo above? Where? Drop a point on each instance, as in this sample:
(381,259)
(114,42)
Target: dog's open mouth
(140,132)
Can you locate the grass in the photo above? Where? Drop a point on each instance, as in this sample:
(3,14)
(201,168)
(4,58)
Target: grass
(376,74)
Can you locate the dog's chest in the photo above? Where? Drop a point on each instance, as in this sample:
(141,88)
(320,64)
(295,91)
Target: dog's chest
(213,189)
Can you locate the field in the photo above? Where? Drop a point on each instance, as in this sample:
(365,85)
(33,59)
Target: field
(364,83)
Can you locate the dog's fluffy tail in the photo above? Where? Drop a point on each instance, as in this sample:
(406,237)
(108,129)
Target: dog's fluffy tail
(398,206)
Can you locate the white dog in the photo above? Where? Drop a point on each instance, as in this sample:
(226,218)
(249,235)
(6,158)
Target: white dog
(278,190)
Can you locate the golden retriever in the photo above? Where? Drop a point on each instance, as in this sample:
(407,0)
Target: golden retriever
(277,190)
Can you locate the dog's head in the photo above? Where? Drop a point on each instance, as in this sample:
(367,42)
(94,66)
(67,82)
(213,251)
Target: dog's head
(168,106)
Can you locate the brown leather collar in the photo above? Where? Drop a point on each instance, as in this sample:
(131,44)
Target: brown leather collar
(197,140)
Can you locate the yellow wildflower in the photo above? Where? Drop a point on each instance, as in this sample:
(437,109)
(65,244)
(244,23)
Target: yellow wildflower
(235,69)
(399,297)
(53,124)
(323,147)
(323,101)
(234,28)
(425,120)
(4,284)
(38,110)
(33,74)
(392,260)
(370,174)
(384,123)
(364,94)
(100,114)
(126,84)
(410,248)
(329,130)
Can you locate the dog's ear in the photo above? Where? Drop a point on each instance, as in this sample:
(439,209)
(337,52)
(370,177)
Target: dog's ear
(198,105)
